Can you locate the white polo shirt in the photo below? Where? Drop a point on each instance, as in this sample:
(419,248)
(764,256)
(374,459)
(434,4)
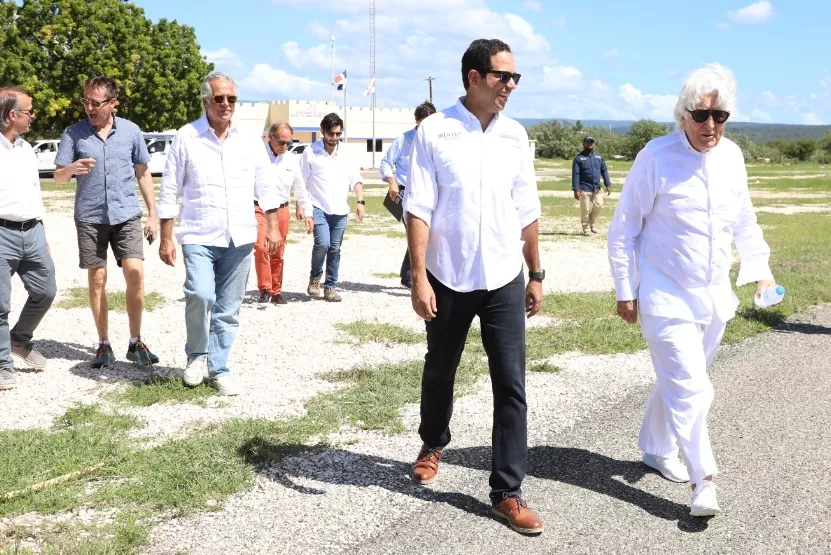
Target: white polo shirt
(20,197)
(477,191)
(328,178)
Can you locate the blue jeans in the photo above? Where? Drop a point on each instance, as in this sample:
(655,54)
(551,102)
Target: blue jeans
(328,237)
(215,280)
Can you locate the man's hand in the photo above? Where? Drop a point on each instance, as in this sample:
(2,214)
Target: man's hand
(423,298)
(576,195)
(167,251)
(761,286)
(608,191)
(628,310)
(394,191)
(82,166)
(298,213)
(151,226)
(309,222)
(533,297)
(273,239)
(360,210)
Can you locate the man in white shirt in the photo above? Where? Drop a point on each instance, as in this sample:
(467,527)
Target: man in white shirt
(23,247)
(683,203)
(215,170)
(270,268)
(473,214)
(329,176)
(394,170)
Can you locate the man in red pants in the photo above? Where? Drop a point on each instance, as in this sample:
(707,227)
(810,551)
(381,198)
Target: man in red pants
(270,268)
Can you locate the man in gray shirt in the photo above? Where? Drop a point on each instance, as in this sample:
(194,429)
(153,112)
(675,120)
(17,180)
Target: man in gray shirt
(107,154)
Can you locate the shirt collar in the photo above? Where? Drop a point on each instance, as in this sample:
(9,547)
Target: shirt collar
(203,126)
(8,145)
(468,117)
(92,129)
(686,142)
(321,149)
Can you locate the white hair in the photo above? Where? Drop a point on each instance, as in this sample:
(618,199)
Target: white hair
(205,88)
(701,82)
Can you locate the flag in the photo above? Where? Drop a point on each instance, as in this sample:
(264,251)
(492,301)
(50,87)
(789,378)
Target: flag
(340,80)
(370,88)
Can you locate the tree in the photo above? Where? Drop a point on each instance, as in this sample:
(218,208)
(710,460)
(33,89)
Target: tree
(51,47)
(800,149)
(825,143)
(555,140)
(641,133)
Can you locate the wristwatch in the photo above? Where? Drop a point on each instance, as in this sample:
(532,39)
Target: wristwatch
(361,201)
(539,276)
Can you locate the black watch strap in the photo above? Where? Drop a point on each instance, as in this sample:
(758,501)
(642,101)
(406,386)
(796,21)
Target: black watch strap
(361,202)
(537,275)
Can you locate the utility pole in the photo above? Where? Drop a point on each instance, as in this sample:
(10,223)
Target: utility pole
(333,69)
(372,69)
(430,81)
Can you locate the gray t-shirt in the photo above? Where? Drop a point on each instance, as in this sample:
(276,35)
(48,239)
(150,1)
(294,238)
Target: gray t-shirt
(108,194)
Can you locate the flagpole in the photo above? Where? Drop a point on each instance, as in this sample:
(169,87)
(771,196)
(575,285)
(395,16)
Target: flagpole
(345,110)
(333,69)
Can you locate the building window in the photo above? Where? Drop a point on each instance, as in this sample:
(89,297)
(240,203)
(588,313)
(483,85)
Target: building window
(378,145)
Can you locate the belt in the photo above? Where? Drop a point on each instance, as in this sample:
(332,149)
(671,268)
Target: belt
(281,206)
(20,226)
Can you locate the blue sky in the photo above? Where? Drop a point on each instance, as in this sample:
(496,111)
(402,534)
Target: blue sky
(591,60)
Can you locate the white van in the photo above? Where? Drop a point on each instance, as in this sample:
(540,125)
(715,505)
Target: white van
(158,145)
(46,150)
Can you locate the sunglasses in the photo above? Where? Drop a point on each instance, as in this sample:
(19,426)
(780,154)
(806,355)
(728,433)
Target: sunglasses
(94,103)
(281,142)
(333,133)
(505,76)
(30,113)
(700,116)
(219,99)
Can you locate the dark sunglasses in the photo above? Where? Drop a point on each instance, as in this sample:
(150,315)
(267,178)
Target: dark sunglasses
(281,142)
(700,116)
(334,133)
(505,76)
(95,103)
(30,113)
(219,99)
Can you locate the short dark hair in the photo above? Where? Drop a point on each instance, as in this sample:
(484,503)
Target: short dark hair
(478,56)
(330,121)
(424,110)
(100,82)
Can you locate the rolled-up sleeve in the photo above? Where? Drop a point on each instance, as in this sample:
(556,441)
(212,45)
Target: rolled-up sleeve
(524,192)
(754,252)
(355,177)
(422,190)
(301,194)
(172,181)
(390,159)
(635,204)
(271,191)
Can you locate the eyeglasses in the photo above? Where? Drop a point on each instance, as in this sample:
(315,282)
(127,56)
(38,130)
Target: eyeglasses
(30,113)
(505,76)
(94,103)
(219,99)
(281,142)
(334,133)
(700,116)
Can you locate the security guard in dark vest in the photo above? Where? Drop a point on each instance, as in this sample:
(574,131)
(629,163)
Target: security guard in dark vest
(586,170)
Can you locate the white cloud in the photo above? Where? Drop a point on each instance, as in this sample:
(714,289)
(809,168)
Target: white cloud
(318,30)
(532,6)
(757,12)
(810,118)
(223,59)
(560,22)
(769,98)
(562,78)
(397,6)
(612,54)
(655,106)
(264,79)
(760,116)
(319,56)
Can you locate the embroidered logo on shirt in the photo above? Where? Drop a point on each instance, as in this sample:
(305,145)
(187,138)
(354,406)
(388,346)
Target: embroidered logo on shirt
(450,135)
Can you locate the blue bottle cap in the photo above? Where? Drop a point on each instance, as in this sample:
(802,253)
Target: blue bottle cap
(780,290)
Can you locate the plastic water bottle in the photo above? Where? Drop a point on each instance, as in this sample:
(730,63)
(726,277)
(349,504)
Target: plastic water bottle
(773,295)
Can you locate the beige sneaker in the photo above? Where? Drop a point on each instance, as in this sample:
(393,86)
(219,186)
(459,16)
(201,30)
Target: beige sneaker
(329,294)
(314,287)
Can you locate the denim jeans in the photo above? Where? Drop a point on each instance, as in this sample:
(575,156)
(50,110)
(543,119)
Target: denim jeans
(24,253)
(215,280)
(329,230)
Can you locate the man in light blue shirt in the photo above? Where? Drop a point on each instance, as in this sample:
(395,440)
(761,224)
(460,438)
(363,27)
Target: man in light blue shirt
(398,155)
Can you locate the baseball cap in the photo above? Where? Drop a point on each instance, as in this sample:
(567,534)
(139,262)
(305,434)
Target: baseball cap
(587,138)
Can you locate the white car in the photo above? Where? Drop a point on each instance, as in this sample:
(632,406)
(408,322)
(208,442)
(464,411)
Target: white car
(46,150)
(158,145)
(298,148)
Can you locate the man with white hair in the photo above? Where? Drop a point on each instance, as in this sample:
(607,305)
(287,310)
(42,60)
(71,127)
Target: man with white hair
(683,203)
(216,170)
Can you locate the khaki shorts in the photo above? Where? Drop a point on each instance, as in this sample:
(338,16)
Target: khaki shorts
(126,239)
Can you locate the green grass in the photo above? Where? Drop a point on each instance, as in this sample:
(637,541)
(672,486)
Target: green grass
(386,275)
(164,390)
(78,297)
(364,331)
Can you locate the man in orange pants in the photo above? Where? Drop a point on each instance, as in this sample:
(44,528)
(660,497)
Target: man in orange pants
(270,268)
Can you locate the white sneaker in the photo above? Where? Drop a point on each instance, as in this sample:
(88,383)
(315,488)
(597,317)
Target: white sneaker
(704,500)
(226,384)
(196,372)
(670,467)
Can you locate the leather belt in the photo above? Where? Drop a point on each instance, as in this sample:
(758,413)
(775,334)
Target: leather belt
(285,204)
(19,226)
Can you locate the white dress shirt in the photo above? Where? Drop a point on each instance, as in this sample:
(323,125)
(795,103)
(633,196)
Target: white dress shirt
(288,170)
(669,240)
(20,197)
(216,181)
(477,191)
(329,178)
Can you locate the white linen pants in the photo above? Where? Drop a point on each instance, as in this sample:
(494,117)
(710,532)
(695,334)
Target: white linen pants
(682,353)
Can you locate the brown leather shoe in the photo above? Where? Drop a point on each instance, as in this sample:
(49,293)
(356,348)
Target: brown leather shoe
(519,516)
(426,466)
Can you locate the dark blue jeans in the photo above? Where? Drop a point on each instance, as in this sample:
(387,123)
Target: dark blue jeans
(328,233)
